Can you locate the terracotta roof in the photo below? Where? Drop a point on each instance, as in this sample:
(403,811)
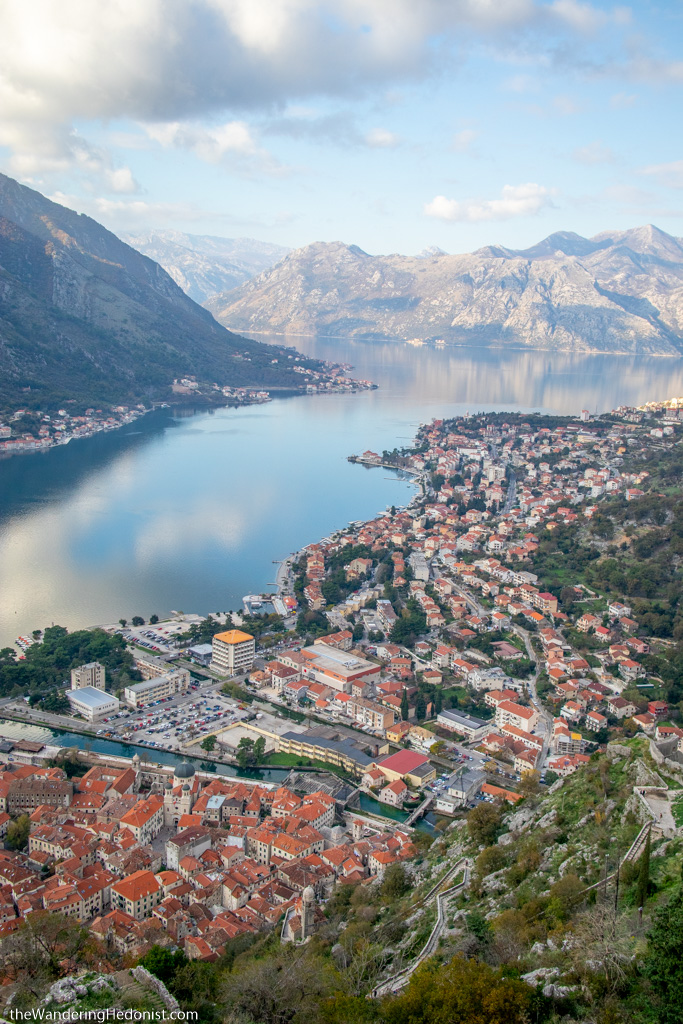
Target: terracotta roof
(137,885)
(233,636)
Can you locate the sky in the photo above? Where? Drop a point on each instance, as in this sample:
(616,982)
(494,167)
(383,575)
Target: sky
(394,125)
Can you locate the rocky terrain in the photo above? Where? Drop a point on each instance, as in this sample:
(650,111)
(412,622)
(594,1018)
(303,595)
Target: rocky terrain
(203,265)
(86,318)
(619,292)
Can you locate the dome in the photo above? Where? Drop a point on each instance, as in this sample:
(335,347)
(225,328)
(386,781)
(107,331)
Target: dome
(169,784)
(186,788)
(183,771)
(308,894)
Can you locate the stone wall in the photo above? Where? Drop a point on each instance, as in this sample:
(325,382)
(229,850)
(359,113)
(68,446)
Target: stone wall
(142,975)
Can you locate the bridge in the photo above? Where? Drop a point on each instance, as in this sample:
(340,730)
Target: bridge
(419,811)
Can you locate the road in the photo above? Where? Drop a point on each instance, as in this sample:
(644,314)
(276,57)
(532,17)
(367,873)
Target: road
(546,723)
(511,495)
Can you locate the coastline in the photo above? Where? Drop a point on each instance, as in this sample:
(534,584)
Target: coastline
(223,398)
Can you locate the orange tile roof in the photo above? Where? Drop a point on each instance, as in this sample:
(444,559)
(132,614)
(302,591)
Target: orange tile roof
(134,887)
(233,636)
(141,813)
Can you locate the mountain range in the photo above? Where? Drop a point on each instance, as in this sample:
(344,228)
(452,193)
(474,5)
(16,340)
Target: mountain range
(203,265)
(618,292)
(86,318)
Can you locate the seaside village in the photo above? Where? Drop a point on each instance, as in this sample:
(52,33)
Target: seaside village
(146,853)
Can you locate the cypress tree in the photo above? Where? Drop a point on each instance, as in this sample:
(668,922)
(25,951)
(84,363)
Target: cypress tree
(404,705)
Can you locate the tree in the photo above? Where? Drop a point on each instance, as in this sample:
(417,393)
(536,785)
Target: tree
(483,823)
(358,632)
(259,750)
(153,619)
(123,623)
(396,882)
(564,895)
(479,926)
(280,988)
(438,702)
(44,946)
(405,709)
(208,744)
(663,963)
(644,872)
(138,620)
(420,708)
(551,777)
(18,832)
(462,992)
(530,784)
(245,752)
(163,963)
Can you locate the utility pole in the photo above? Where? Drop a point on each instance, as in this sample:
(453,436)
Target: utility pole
(604,888)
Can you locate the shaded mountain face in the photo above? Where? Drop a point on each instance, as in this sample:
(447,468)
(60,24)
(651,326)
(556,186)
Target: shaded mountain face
(619,292)
(204,265)
(85,317)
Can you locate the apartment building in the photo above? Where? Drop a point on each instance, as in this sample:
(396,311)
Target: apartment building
(145,820)
(138,695)
(233,651)
(369,712)
(137,894)
(510,713)
(93,674)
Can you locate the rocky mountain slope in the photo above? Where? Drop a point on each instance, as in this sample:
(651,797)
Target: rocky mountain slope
(203,265)
(616,292)
(84,317)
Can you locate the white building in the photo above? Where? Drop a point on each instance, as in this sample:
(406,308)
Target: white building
(462,787)
(92,674)
(464,724)
(510,713)
(158,688)
(91,703)
(233,651)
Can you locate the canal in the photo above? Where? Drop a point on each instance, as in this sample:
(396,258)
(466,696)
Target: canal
(56,737)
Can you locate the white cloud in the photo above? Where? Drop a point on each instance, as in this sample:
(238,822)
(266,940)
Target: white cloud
(593,153)
(232,142)
(380,138)
(179,61)
(462,141)
(582,18)
(515,201)
(670,174)
(121,215)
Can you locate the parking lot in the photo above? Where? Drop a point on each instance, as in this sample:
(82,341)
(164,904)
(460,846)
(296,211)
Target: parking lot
(176,721)
(160,637)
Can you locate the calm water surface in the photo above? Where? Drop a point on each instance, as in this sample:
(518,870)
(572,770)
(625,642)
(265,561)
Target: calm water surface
(188,512)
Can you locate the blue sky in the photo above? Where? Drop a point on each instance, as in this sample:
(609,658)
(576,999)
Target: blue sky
(391,124)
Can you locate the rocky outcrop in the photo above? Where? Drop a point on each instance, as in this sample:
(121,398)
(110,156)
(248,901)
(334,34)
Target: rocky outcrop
(204,265)
(620,292)
(86,318)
